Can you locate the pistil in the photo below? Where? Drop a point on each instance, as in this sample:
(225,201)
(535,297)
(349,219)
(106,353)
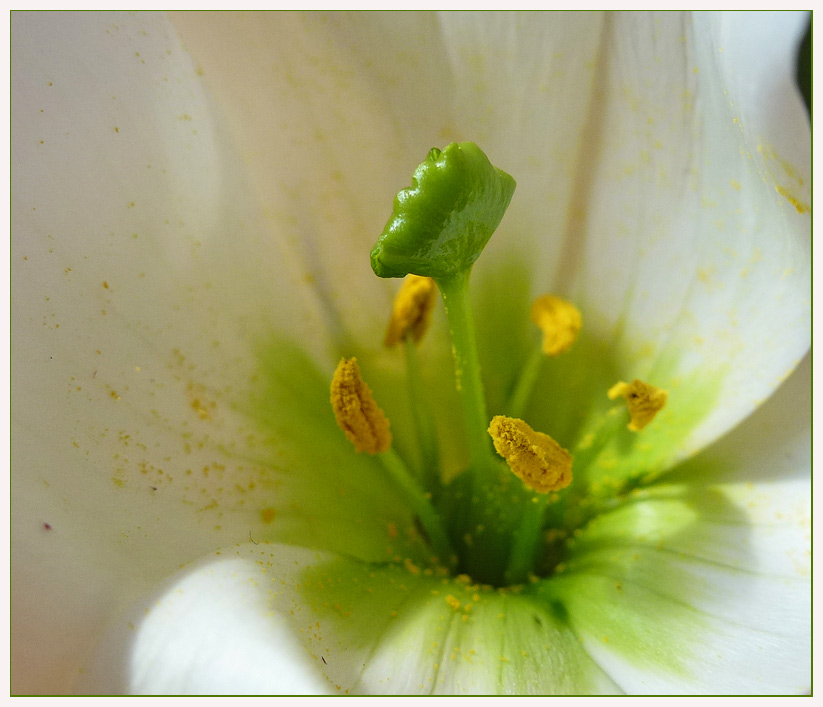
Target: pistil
(455,293)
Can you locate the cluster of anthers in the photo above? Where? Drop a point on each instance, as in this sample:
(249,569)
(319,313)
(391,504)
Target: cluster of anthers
(434,232)
(534,457)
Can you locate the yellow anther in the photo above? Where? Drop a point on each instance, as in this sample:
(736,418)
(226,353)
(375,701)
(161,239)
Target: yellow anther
(412,309)
(540,462)
(357,414)
(560,321)
(644,401)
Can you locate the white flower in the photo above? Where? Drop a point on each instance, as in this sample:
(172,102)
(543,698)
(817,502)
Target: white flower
(189,253)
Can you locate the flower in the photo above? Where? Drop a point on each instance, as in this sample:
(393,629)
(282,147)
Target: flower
(190,244)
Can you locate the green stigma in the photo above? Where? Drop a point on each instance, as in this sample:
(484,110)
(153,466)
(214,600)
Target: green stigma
(440,225)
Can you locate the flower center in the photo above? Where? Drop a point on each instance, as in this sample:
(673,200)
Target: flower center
(500,523)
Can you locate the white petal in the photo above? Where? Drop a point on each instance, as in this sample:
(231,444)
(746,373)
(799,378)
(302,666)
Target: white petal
(272,619)
(701,584)
(143,303)
(760,76)
(213,629)
(692,251)
(106,397)
(305,97)
(101,152)
(686,245)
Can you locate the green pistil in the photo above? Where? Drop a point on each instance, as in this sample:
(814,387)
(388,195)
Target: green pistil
(441,223)
(438,228)
(455,293)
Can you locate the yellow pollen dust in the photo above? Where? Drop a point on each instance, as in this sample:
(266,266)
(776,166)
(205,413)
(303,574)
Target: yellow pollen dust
(412,310)
(560,321)
(643,400)
(540,462)
(356,412)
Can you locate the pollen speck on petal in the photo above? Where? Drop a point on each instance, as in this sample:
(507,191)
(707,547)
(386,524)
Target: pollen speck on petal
(356,411)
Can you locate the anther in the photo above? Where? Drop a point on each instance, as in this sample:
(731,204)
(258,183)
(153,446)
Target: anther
(560,321)
(412,309)
(643,400)
(540,462)
(356,412)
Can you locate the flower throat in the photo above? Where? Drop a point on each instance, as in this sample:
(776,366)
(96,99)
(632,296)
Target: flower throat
(505,519)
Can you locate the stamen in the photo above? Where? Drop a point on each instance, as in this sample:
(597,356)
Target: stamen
(560,321)
(367,428)
(412,310)
(356,412)
(644,401)
(540,462)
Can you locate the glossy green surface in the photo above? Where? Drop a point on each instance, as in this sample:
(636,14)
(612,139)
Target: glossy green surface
(440,225)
